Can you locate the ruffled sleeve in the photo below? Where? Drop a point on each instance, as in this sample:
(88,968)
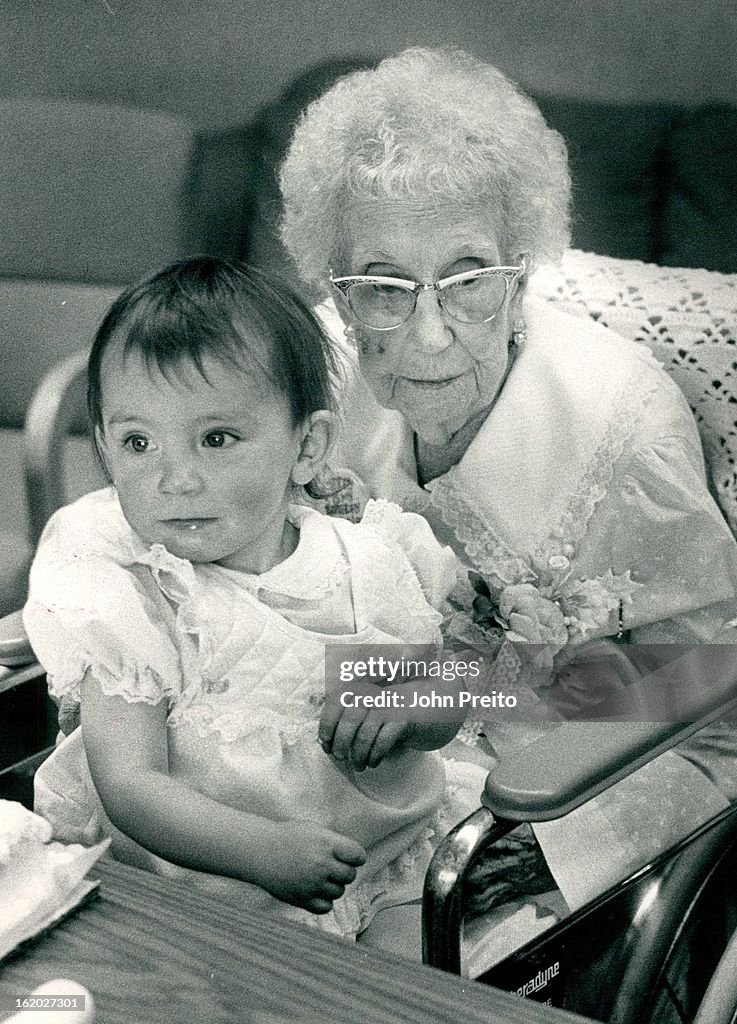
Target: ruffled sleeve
(659,519)
(436,567)
(88,609)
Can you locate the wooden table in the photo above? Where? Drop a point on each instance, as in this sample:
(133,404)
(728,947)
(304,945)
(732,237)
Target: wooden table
(151,951)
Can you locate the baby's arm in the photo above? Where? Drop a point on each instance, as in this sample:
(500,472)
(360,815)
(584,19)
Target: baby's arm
(299,862)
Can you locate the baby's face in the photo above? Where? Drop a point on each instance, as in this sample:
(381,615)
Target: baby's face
(201,466)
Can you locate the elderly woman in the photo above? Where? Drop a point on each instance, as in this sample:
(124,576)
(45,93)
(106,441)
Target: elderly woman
(560,462)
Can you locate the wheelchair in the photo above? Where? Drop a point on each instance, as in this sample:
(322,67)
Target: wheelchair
(660,947)
(649,949)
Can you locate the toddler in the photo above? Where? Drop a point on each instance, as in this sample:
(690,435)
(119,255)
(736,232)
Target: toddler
(188,607)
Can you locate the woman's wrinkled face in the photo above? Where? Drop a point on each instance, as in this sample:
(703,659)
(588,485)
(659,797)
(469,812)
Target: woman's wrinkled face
(439,373)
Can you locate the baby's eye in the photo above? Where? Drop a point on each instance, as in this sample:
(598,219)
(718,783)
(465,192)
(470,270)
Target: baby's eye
(219,439)
(137,443)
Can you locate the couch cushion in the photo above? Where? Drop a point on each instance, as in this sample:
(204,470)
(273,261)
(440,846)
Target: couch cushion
(615,155)
(15,561)
(41,322)
(699,219)
(224,184)
(92,192)
(270,133)
(688,318)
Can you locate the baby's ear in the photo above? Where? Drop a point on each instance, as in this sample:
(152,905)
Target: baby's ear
(318,435)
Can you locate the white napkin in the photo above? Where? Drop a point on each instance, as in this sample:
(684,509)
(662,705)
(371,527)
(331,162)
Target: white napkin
(40,880)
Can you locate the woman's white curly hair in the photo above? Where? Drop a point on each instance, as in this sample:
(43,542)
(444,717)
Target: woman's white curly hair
(426,124)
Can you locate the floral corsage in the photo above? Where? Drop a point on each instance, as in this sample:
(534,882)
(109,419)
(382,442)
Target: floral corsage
(554,613)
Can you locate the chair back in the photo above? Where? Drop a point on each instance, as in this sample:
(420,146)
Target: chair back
(91,192)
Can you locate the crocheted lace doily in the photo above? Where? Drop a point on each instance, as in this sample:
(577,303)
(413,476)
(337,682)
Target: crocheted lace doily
(688,319)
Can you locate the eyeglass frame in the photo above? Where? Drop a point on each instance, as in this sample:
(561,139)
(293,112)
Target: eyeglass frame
(510,275)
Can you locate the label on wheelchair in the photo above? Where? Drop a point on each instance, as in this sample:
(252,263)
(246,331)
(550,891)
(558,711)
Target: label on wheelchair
(542,979)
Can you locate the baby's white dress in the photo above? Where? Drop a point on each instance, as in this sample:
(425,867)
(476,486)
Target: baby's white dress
(240,660)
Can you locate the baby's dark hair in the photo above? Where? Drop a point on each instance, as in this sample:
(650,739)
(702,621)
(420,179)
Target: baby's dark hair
(217,307)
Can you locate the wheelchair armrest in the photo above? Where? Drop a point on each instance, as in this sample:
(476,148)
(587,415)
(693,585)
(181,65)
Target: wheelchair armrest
(580,759)
(15,650)
(573,764)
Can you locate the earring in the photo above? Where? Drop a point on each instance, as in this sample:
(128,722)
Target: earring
(519,333)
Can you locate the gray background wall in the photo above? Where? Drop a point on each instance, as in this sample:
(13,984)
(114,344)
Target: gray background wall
(216,61)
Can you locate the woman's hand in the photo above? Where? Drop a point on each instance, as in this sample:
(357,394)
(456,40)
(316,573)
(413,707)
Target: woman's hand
(311,866)
(513,867)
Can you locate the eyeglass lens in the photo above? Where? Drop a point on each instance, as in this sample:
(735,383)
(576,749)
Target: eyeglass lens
(470,302)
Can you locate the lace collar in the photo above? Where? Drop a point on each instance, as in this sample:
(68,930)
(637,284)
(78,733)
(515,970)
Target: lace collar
(570,402)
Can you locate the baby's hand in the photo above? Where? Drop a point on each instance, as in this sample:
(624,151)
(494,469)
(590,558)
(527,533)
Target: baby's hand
(311,866)
(362,736)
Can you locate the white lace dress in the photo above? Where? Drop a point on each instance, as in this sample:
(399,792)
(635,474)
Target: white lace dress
(240,661)
(583,503)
